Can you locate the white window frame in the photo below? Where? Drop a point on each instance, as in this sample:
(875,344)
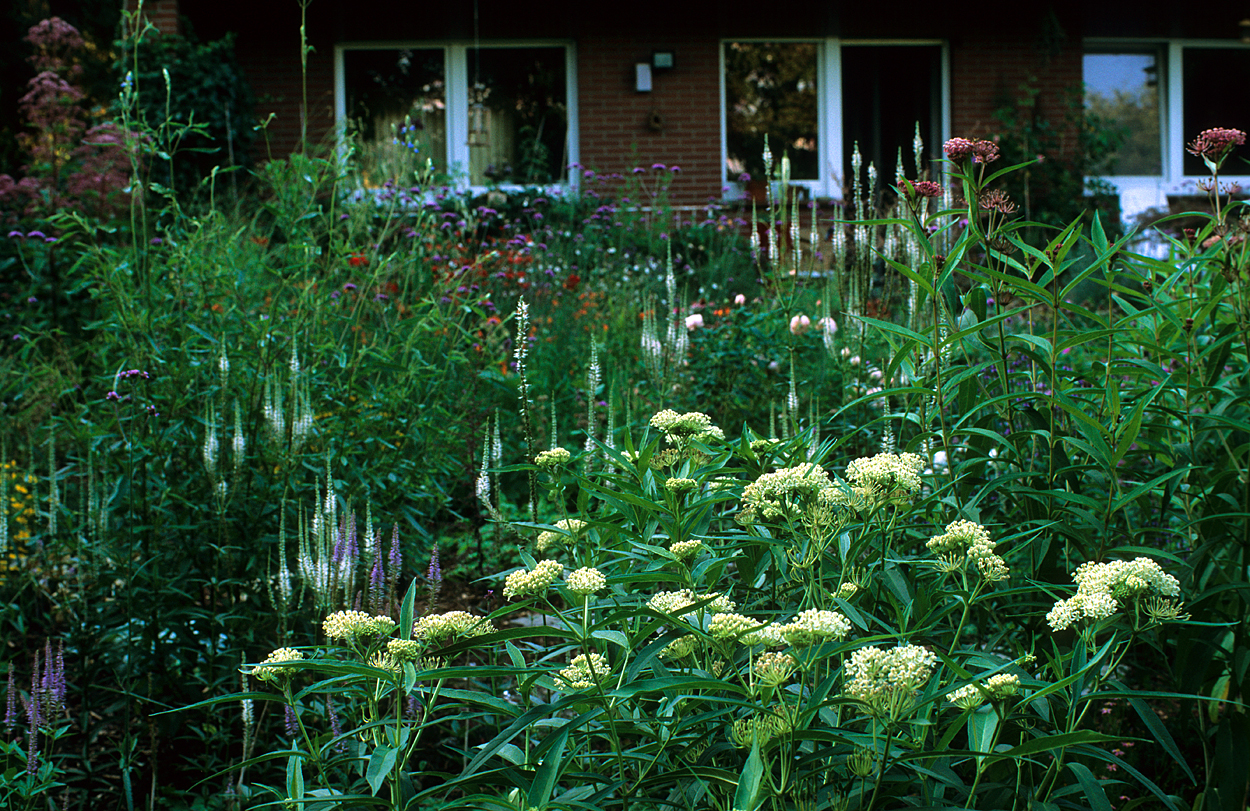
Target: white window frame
(828,108)
(456,77)
(1140,192)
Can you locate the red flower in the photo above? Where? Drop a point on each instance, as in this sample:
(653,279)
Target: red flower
(357,259)
(572,281)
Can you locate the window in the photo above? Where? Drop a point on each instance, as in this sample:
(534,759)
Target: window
(485,115)
(1122,94)
(1161,95)
(816,99)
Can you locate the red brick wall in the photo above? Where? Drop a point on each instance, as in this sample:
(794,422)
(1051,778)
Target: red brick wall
(988,71)
(274,70)
(161,13)
(613,117)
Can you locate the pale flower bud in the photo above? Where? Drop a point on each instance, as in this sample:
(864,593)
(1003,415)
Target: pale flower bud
(800,324)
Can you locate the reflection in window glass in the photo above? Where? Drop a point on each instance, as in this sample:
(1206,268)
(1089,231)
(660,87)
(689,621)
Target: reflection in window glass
(770,90)
(518,115)
(1122,94)
(1215,82)
(386,88)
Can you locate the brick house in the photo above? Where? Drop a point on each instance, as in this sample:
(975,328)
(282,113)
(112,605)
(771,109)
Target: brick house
(510,92)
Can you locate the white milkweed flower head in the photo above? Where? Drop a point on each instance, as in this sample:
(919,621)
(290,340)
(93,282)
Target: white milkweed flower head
(348,626)
(1103,587)
(436,628)
(681,429)
(569,529)
(584,672)
(553,458)
(886,681)
(536,581)
(814,626)
(968,541)
(586,581)
(679,602)
(266,673)
(777,494)
(685,549)
(893,477)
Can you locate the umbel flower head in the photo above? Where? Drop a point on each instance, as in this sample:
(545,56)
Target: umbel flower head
(886,682)
(682,429)
(535,581)
(348,626)
(584,672)
(266,673)
(891,478)
(997,688)
(679,602)
(569,529)
(1103,587)
(437,628)
(778,494)
(586,581)
(968,541)
(1214,144)
(553,458)
(814,626)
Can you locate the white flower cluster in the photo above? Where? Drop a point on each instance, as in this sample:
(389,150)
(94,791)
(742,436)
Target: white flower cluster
(677,602)
(884,680)
(536,581)
(348,626)
(996,688)
(437,627)
(814,626)
(678,486)
(584,672)
(276,673)
(404,650)
(774,494)
(570,529)
(681,429)
(894,477)
(553,458)
(586,581)
(1101,588)
(685,549)
(773,667)
(747,630)
(966,540)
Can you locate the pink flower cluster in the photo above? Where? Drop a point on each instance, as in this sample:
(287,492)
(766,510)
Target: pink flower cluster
(960,149)
(1214,144)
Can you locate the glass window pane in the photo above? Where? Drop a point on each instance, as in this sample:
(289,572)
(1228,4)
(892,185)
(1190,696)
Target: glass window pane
(1122,94)
(386,88)
(1215,82)
(887,91)
(770,89)
(518,115)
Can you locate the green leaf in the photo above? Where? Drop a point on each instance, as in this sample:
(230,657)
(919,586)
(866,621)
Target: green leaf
(747,797)
(1164,738)
(295,777)
(615,637)
(380,764)
(406,612)
(1093,789)
(545,780)
(982,725)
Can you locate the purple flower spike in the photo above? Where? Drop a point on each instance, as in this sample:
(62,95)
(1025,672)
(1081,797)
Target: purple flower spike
(36,234)
(16,235)
(658,167)
(675,169)
(10,703)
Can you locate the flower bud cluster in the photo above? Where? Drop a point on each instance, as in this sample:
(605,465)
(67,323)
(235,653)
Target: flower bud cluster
(685,549)
(1103,587)
(586,581)
(774,494)
(759,729)
(553,458)
(449,625)
(773,668)
(998,687)
(584,672)
(678,602)
(265,673)
(348,626)
(525,581)
(570,529)
(681,429)
(893,477)
(969,541)
(886,680)
(814,626)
